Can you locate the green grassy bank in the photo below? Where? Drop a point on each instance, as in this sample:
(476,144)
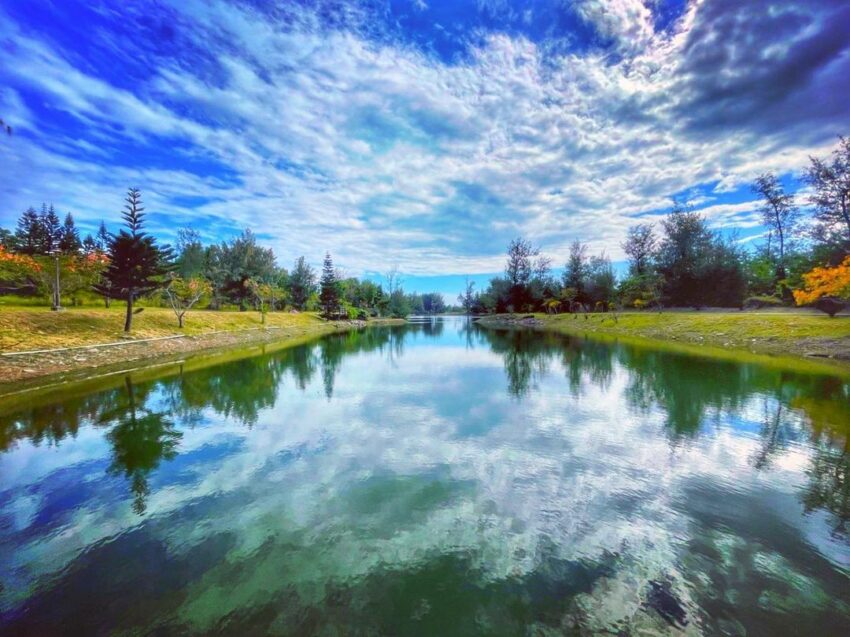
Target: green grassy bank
(32,328)
(795,334)
(38,346)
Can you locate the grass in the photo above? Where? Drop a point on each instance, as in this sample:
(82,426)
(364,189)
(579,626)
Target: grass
(55,389)
(789,333)
(28,328)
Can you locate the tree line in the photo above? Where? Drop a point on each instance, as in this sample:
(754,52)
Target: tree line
(132,264)
(803,258)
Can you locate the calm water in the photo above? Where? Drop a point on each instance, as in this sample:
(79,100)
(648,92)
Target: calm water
(437,479)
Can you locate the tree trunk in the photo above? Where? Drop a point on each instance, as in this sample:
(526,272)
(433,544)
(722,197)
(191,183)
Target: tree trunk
(128,320)
(180,321)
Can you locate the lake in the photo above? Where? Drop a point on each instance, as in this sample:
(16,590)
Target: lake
(433,479)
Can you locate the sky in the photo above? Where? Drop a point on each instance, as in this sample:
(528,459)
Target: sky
(416,134)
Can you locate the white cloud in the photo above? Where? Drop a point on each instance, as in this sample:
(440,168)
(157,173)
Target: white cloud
(365,147)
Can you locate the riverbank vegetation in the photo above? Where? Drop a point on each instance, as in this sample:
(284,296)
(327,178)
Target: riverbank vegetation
(803,258)
(809,334)
(46,259)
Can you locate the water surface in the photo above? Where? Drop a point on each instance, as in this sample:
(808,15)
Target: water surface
(434,479)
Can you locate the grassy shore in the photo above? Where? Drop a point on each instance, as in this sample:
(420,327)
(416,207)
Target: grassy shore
(36,343)
(31,328)
(800,334)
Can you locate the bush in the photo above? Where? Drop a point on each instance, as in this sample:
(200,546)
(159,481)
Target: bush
(640,304)
(759,302)
(830,304)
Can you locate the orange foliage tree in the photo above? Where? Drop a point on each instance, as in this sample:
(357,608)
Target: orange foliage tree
(822,284)
(18,269)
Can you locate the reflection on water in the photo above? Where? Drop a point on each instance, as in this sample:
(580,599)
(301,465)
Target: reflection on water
(433,479)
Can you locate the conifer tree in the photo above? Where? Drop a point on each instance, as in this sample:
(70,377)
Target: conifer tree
(102,238)
(51,229)
(69,242)
(89,244)
(329,294)
(28,233)
(136,263)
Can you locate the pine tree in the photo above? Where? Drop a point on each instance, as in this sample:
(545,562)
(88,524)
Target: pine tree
(89,244)
(69,242)
(136,263)
(102,238)
(302,283)
(51,229)
(28,233)
(329,294)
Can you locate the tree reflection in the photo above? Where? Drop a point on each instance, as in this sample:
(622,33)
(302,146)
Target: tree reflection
(140,441)
(687,391)
(526,357)
(829,485)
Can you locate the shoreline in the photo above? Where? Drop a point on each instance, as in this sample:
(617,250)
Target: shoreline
(756,337)
(33,371)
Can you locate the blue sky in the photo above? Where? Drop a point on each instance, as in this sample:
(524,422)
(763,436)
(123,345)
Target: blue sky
(416,133)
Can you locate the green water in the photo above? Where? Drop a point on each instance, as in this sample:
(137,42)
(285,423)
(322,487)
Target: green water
(436,479)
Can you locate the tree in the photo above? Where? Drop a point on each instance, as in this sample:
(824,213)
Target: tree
(89,245)
(80,273)
(28,234)
(69,237)
(830,181)
(136,263)
(18,271)
(51,229)
(601,281)
(264,296)
(467,297)
(102,239)
(433,303)
(681,256)
(577,270)
(302,282)
(826,288)
(7,239)
(518,271)
(779,213)
(183,294)
(231,264)
(329,289)
(398,305)
(640,246)
(191,257)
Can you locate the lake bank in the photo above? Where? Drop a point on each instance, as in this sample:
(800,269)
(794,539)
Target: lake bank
(38,346)
(796,335)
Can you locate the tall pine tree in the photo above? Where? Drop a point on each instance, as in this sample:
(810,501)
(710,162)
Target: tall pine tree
(329,294)
(51,229)
(102,238)
(28,233)
(69,241)
(136,263)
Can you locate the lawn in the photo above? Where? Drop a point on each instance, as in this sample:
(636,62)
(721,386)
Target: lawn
(783,333)
(29,328)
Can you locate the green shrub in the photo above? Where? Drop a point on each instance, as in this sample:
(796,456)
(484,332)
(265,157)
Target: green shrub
(759,302)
